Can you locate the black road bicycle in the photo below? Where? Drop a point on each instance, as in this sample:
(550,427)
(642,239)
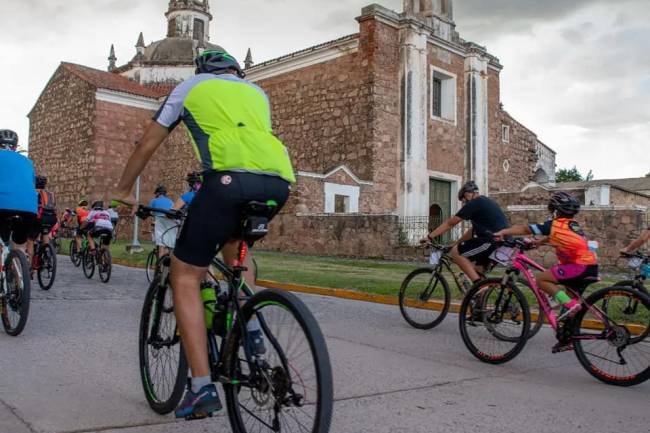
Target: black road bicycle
(289,389)
(425,295)
(99,259)
(44,263)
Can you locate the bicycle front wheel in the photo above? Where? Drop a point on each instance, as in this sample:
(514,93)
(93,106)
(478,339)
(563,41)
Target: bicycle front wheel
(610,338)
(14,308)
(150,268)
(47,269)
(290,388)
(163,366)
(494,321)
(424,298)
(105,265)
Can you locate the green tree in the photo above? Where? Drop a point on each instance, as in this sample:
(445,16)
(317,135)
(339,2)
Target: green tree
(569,175)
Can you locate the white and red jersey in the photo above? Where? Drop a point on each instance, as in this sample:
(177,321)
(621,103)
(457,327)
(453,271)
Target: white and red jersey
(101,219)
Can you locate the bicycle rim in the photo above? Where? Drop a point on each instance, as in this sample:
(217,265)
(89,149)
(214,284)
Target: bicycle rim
(424,298)
(151,266)
(290,390)
(163,366)
(15,307)
(47,269)
(617,352)
(494,321)
(74,254)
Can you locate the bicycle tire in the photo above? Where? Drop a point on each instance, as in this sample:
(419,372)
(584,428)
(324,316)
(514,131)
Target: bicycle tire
(633,284)
(88,263)
(403,299)
(105,266)
(18,302)
(278,380)
(47,267)
(75,256)
(150,268)
(161,404)
(582,353)
(467,307)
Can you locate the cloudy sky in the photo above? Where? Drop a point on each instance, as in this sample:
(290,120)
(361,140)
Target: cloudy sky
(577,72)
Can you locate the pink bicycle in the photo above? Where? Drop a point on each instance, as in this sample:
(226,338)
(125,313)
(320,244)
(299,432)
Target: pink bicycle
(607,335)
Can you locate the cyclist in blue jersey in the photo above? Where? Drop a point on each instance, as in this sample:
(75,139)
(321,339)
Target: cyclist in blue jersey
(164,228)
(18,198)
(194,181)
(229,121)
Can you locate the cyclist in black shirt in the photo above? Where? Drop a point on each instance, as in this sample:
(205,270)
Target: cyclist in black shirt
(476,244)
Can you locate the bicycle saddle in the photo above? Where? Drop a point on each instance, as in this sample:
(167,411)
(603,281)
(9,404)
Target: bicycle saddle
(258,208)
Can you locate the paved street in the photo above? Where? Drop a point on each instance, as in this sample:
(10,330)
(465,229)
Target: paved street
(75,369)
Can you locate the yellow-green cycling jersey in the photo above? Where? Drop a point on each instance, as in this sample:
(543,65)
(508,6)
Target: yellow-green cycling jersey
(229,122)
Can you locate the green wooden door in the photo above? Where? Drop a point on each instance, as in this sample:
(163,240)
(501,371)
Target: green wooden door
(439,204)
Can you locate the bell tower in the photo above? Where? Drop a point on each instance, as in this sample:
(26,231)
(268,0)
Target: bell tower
(442,9)
(189,19)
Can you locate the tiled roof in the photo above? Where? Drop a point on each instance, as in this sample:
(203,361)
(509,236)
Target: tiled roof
(630,184)
(118,83)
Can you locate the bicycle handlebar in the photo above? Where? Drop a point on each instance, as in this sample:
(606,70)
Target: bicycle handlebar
(145,212)
(637,254)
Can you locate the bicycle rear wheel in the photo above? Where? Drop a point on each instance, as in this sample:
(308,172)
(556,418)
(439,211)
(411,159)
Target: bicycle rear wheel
(47,268)
(104,265)
(163,366)
(14,308)
(494,321)
(88,263)
(613,345)
(75,257)
(290,389)
(424,298)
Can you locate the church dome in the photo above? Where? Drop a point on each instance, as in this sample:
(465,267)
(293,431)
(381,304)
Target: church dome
(173,50)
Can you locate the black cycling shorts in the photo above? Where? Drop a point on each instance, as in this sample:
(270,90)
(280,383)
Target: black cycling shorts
(214,217)
(42,225)
(17,228)
(478,250)
(105,234)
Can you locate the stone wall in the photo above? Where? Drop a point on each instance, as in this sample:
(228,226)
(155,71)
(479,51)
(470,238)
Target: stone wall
(374,236)
(60,136)
(619,197)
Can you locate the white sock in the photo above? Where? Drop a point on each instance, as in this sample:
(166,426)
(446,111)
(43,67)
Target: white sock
(200,382)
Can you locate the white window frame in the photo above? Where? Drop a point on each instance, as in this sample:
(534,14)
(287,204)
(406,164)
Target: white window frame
(334,189)
(505,133)
(448,95)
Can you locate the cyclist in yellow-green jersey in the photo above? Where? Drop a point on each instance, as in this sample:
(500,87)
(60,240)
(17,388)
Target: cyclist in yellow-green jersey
(229,123)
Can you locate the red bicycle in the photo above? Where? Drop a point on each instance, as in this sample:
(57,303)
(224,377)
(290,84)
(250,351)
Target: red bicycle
(608,337)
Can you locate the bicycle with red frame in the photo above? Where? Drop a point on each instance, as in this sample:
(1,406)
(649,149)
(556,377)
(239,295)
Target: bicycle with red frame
(609,340)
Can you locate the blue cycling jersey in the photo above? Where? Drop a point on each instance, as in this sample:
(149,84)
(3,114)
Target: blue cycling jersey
(17,183)
(163,202)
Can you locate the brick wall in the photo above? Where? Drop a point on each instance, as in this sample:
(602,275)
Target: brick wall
(618,197)
(60,136)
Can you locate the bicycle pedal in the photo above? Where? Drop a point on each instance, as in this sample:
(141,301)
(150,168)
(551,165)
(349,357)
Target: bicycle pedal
(196,416)
(563,348)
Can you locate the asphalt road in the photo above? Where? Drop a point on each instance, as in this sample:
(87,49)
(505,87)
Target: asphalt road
(75,369)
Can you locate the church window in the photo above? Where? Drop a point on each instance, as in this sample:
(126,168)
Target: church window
(198,29)
(443,95)
(505,133)
(341,203)
(171,28)
(341,198)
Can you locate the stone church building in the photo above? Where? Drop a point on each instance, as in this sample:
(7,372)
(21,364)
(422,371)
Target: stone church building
(382,124)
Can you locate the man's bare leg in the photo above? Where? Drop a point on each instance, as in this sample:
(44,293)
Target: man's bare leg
(188,307)
(465,265)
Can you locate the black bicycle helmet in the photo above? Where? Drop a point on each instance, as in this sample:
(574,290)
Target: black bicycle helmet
(98,205)
(160,190)
(8,139)
(217,62)
(41,182)
(564,204)
(469,186)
